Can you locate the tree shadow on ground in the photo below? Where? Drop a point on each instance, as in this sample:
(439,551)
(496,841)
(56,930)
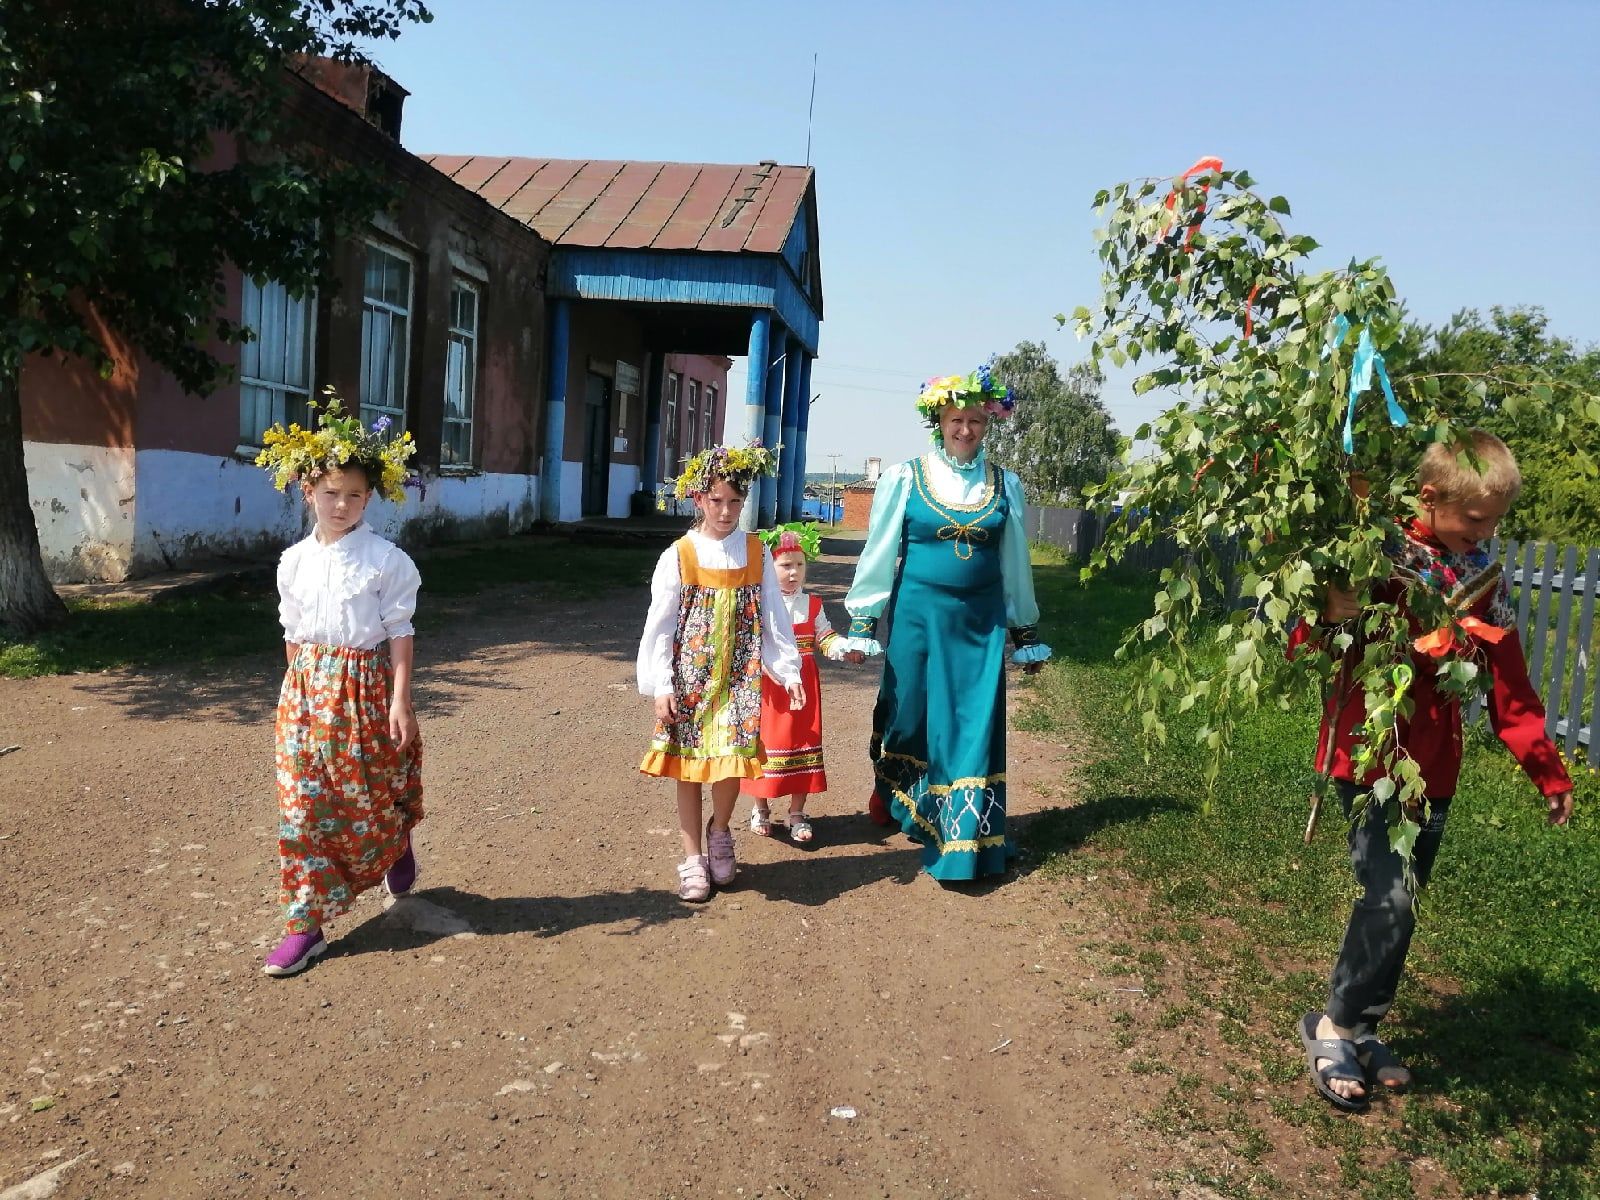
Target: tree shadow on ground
(463,640)
(631,911)
(1053,832)
(1516,1061)
(459,660)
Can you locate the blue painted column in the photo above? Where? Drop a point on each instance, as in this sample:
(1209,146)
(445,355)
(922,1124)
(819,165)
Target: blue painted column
(771,429)
(555,410)
(797,490)
(793,369)
(755,398)
(654,399)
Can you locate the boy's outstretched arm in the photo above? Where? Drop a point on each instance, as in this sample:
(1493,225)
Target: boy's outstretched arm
(1517,717)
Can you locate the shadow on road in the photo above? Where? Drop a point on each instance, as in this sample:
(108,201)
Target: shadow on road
(448,912)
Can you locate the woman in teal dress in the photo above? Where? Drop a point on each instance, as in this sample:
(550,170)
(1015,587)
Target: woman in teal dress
(947,554)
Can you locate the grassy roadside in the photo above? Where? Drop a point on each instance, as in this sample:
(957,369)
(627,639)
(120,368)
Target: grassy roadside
(240,616)
(1237,923)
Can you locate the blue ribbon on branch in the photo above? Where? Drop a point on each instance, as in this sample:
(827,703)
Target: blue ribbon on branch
(1367,363)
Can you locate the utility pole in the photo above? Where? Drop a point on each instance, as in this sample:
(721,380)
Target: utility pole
(833,492)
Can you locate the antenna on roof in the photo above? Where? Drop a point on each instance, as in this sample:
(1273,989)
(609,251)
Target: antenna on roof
(812,107)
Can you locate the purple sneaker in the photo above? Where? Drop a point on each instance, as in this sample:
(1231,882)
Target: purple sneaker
(295,952)
(402,877)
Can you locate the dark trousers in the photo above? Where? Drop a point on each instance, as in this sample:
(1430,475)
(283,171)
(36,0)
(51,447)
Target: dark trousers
(1373,955)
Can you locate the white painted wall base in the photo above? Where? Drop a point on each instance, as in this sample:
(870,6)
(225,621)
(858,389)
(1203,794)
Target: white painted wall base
(624,482)
(571,491)
(82,499)
(115,514)
(193,507)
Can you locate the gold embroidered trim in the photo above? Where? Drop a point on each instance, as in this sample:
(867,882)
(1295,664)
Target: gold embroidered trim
(960,845)
(919,477)
(962,533)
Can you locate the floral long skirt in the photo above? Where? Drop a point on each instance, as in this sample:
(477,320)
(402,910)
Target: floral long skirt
(347,799)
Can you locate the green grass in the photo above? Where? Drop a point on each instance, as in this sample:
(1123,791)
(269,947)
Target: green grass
(239,616)
(1499,1014)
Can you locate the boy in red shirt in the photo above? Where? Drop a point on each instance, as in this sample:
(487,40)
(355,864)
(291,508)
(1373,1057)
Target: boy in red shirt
(1459,508)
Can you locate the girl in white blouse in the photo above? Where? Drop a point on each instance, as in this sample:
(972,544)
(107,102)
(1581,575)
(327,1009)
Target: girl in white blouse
(349,759)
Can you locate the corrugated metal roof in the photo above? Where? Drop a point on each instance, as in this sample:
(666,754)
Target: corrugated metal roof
(604,204)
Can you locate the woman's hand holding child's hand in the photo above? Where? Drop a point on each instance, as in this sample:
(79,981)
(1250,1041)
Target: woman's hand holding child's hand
(402,724)
(855,656)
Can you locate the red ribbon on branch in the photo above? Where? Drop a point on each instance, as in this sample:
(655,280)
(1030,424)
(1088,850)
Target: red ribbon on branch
(1202,166)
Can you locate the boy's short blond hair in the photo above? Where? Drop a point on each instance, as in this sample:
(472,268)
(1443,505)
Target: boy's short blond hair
(1449,467)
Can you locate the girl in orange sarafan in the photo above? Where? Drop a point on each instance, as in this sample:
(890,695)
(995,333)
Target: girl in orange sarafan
(792,737)
(716,616)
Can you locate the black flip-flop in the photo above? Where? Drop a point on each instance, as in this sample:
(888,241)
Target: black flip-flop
(1342,1064)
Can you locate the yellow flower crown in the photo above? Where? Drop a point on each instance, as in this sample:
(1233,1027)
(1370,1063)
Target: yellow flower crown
(739,467)
(296,455)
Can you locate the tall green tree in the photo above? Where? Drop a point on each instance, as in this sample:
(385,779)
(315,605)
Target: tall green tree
(1560,499)
(1060,440)
(143,147)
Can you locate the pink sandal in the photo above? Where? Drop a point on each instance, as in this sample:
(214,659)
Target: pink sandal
(719,842)
(693,882)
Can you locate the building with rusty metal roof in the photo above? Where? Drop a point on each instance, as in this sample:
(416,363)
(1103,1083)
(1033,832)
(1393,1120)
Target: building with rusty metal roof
(703,259)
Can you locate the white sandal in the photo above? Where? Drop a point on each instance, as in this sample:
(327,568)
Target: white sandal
(760,821)
(694,881)
(800,830)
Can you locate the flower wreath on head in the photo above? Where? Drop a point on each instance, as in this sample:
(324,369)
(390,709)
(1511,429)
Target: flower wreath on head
(804,536)
(980,389)
(296,455)
(740,467)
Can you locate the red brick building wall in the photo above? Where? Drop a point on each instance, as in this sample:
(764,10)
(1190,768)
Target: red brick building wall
(857,505)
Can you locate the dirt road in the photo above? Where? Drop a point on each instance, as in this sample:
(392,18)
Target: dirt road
(545,1018)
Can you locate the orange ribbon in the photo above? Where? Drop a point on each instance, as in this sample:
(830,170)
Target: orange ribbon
(1441,641)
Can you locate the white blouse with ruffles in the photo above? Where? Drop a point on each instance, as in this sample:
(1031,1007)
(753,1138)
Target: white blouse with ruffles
(654,663)
(359,591)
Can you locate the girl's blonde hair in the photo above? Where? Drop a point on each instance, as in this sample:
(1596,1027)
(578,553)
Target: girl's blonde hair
(1476,465)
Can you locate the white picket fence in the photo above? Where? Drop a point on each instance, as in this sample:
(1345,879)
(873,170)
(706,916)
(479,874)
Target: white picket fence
(1554,588)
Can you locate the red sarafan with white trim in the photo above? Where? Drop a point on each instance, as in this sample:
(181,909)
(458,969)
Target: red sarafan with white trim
(792,738)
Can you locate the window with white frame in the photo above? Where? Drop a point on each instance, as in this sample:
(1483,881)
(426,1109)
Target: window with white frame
(275,366)
(695,445)
(711,415)
(670,422)
(385,335)
(460,375)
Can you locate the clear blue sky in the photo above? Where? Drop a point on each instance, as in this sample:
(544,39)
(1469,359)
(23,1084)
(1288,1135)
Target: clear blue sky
(957,148)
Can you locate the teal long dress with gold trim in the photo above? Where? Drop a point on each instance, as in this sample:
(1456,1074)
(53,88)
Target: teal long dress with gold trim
(939,728)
